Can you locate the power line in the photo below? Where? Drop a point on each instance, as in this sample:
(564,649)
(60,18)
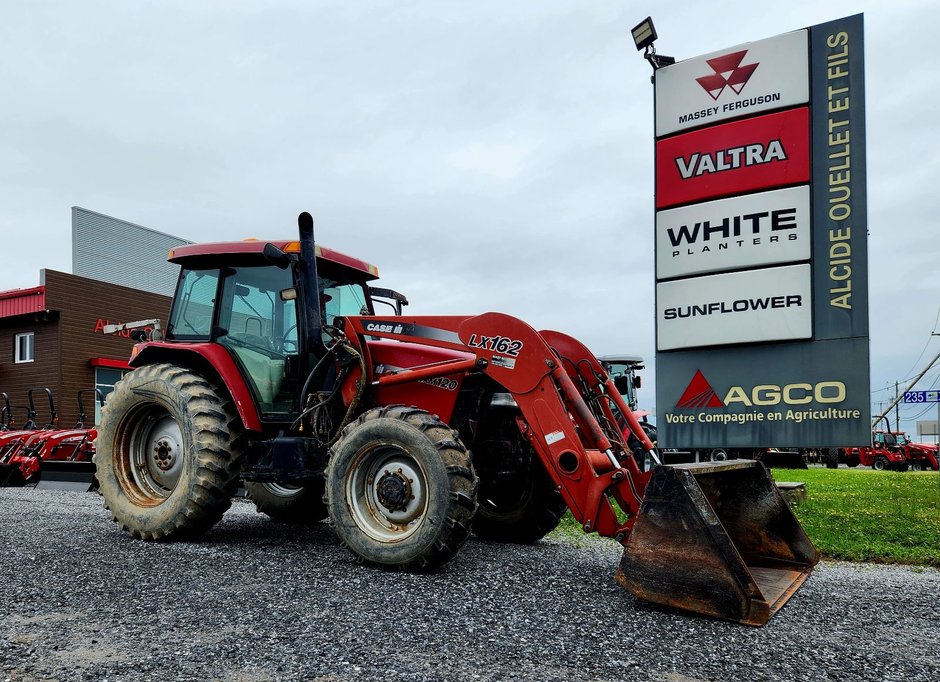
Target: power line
(932,333)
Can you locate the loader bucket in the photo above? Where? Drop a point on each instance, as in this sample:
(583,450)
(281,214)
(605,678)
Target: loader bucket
(67,475)
(11,476)
(716,538)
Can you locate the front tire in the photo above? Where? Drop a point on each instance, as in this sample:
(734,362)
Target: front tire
(288,503)
(917,466)
(400,488)
(879,464)
(719,455)
(169,450)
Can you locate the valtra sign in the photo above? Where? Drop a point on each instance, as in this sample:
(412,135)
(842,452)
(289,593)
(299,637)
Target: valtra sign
(756,154)
(740,81)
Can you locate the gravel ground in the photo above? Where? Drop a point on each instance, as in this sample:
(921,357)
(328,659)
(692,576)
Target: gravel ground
(256,600)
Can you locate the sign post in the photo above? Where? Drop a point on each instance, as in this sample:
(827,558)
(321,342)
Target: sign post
(761,251)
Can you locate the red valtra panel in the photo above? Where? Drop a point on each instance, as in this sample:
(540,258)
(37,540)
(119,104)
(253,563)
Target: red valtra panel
(756,153)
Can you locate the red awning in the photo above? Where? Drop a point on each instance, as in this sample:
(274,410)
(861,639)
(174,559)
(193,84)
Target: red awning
(109,362)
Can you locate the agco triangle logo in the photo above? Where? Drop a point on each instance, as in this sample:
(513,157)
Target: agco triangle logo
(728,73)
(699,393)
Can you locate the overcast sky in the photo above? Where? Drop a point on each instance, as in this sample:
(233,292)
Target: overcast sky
(485,155)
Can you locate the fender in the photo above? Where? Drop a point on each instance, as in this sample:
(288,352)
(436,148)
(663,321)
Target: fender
(211,361)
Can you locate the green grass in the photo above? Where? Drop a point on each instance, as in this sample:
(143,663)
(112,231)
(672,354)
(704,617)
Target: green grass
(859,514)
(864,515)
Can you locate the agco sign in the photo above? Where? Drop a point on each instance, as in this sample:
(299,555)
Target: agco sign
(799,404)
(700,395)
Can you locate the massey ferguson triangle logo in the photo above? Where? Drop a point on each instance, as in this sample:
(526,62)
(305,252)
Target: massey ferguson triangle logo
(699,393)
(728,73)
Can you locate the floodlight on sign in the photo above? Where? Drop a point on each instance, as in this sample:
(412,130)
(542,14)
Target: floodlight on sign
(644,33)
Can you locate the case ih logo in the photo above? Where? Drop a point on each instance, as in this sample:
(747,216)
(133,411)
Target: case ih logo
(699,393)
(728,73)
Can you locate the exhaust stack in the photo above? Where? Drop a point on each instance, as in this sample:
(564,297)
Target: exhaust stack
(311,287)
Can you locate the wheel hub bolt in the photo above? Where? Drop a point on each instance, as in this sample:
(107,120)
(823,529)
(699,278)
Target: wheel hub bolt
(394,490)
(163,454)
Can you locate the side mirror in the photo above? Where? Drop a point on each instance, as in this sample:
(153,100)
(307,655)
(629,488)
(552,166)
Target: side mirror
(276,257)
(623,384)
(637,382)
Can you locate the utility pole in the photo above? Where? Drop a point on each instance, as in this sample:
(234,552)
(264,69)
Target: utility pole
(897,408)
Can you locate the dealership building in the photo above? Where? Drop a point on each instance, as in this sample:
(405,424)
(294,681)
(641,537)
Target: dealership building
(54,332)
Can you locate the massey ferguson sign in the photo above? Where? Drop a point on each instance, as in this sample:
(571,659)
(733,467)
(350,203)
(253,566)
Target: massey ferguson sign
(740,81)
(761,254)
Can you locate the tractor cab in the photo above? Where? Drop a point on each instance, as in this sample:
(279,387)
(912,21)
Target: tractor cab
(233,295)
(885,440)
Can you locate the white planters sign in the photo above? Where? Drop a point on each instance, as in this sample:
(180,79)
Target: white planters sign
(748,231)
(740,81)
(772,304)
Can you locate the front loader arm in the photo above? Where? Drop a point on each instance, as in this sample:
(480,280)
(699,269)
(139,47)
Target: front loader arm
(585,457)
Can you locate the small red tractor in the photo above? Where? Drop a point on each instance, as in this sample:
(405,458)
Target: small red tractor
(275,371)
(48,457)
(920,456)
(884,453)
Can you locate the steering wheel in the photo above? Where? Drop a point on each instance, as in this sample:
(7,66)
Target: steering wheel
(285,345)
(264,350)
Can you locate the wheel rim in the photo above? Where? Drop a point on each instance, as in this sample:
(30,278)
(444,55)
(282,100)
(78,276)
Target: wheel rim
(386,491)
(719,455)
(282,489)
(151,455)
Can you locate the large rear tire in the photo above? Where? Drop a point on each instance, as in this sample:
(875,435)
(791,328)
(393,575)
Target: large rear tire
(287,503)
(401,490)
(168,454)
(521,510)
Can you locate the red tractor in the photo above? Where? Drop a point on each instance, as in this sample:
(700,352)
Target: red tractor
(51,457)
(884,453)
(275,371)
(920,456)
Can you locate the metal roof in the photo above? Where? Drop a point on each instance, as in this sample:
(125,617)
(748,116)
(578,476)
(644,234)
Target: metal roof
(22,301)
